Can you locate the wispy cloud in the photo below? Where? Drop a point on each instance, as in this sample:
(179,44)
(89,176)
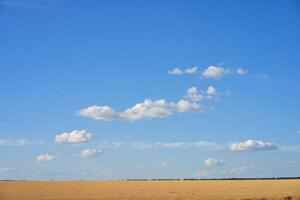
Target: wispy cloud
(205,145)
(7,170)
(29,3)
(222,172)
(263,76)
(20,142)
(290,162)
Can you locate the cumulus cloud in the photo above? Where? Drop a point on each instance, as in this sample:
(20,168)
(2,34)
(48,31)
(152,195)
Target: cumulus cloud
(252,145)
(76,136)
(178,71)
(195,95)
(192,70)
(46,158)
(214,72)
(241,71)
(212,162)
(211,90)
(147,109)
(92,153)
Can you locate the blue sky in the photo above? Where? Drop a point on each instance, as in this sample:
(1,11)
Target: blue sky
(70,69)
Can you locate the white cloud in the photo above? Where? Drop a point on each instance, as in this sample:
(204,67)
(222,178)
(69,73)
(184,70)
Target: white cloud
(176,71)
(241,71)
(46,158)
(195,95)
(214,72)
(92,153)
(76,136)
(192,70)
(252,145)
(21,142)
(212,162)
(147,109)
(176,145)
(205,145)
(211,90)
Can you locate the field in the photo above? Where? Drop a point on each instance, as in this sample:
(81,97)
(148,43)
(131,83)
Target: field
(146,190)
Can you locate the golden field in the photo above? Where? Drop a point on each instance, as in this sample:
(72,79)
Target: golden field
(146,190)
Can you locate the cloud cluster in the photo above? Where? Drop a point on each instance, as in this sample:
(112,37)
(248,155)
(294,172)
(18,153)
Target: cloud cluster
(252,145)
(195,95)
(211,72)
(178,71)
(147,109)
(91,153)
(76,136)
(212,162)
(46,158)
(214,72)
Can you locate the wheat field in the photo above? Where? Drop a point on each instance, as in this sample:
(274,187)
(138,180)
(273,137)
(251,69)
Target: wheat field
(146,190)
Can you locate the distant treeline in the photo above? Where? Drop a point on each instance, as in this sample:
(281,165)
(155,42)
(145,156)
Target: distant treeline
(212,179)
(186,179)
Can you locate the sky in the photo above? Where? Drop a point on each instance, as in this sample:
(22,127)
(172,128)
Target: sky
(149,89)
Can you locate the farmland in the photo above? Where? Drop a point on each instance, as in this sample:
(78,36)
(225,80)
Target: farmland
(154,190)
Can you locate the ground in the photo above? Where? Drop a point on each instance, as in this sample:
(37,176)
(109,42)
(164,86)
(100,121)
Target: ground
(154,190)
